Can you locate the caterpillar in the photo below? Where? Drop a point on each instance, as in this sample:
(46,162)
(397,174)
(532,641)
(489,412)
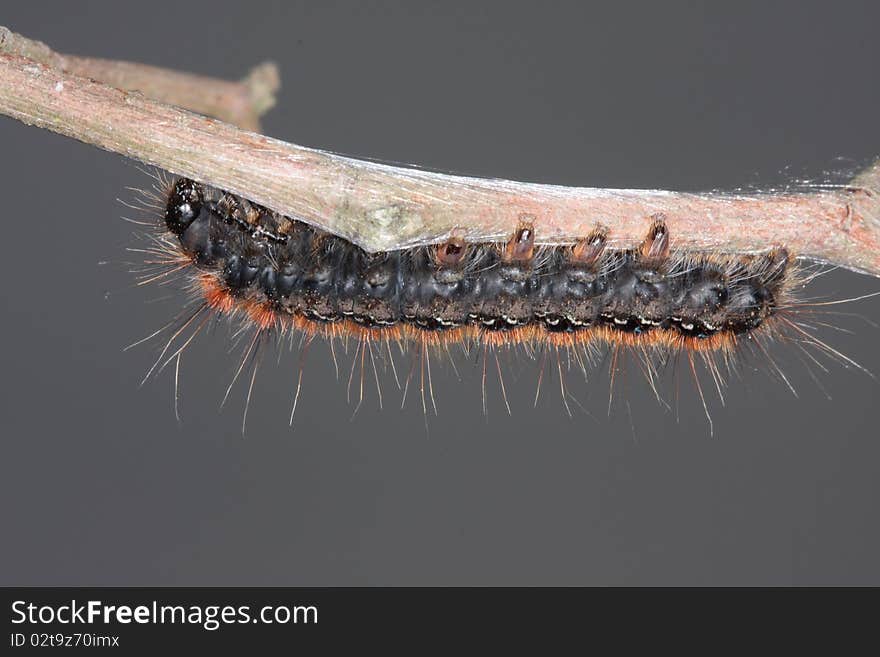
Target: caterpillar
(281,276)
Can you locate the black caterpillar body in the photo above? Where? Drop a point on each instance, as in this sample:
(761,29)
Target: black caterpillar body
(290,268)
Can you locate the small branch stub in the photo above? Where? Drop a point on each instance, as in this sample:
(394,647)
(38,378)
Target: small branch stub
(240,103)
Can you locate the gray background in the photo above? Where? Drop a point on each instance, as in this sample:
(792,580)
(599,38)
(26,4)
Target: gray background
(99,484)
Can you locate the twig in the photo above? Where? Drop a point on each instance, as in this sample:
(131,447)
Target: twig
(383,208)
(240,103)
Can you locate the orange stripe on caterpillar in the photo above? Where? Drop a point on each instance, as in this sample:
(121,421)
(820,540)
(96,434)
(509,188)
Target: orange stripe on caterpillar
(265,317)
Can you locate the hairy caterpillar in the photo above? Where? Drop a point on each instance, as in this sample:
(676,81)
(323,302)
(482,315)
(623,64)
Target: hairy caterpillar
(282,277)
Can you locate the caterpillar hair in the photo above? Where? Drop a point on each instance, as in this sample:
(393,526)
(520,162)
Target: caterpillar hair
(280,277)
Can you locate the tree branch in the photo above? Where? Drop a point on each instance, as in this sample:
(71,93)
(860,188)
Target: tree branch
(382,207)
(240,103)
